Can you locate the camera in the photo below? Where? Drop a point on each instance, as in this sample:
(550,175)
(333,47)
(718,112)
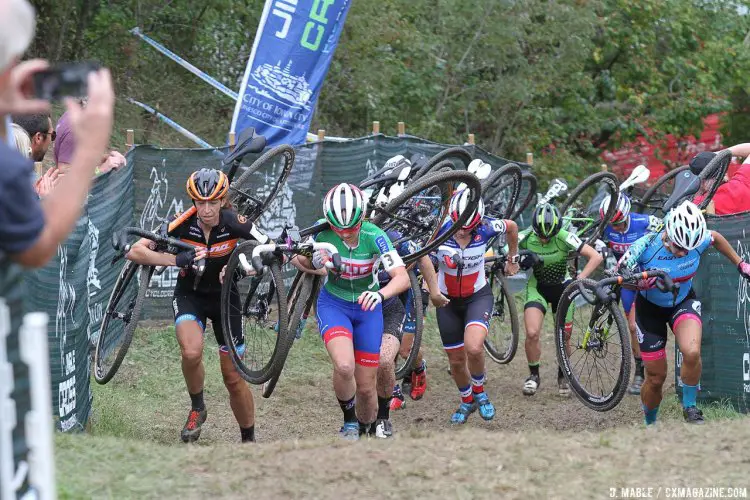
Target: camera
(63,80)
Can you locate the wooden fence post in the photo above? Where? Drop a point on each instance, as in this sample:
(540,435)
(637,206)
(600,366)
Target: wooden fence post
(471,139)
(232,139)
(401,128)
(530,158)
(375,128)
(321,134)
(129,139)
(604,167)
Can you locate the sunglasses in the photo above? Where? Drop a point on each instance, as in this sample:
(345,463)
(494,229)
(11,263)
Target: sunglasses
(348,231)
(53,134)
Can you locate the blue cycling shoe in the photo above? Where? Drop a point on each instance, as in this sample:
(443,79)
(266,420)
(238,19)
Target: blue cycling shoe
(350,431)
(463,412)
(486,410)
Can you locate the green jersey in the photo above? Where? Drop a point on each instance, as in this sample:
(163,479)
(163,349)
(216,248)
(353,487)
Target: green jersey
(361,262)
(554,269)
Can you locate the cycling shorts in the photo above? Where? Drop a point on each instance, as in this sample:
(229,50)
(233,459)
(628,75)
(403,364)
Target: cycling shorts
(394,316)
(200,307)
(627,298)
(340,318)
(462,312)
(651,323)
(539,296)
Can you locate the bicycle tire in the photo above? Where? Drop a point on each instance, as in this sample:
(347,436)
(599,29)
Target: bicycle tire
(716,169)
(126,276)
(640,205)
(297,299)
(506,357)
(531,180)
(457,153)
(236,197)
(445,180)
(490,190)
(598,403)
(408,363)
(283,337)
(611,182)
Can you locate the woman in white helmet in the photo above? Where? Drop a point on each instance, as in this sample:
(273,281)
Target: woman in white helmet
(349,307)
(677,250)
(464,321)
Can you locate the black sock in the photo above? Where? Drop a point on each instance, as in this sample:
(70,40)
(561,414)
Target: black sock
(248,434)
(365,428)
(560,373)
(384,408)
(197,401)
(347,407)
(418,370)
(534,369)
(639,367)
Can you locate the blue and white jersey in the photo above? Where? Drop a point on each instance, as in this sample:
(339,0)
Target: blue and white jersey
(638,226)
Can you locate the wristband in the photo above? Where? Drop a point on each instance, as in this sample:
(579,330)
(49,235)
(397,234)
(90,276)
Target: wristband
(515,259)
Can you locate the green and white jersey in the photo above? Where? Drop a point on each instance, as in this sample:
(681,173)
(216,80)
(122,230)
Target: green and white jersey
(554,269)
(361,262)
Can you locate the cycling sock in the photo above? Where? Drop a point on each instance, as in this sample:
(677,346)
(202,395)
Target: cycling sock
(466,394)
(248,434)
(196,400)
(650,415)
(639,367)
(477,383)
(534,368)
(689,393)
(347,407)
(384,408)
(420,369)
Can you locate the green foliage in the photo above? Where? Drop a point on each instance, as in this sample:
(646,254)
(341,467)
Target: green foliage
(574,75)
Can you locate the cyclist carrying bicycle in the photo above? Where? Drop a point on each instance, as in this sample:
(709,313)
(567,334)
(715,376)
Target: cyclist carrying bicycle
(552,244)
(464,321)
(397,326)
(214,228)
(677,250)
(624,229)
(349,306)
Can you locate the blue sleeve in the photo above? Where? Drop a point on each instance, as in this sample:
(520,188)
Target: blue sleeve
(21,216)
(707,242)
(493,227)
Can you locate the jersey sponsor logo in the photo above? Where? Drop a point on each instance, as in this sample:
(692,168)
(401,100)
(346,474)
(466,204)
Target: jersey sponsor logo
(382,244)
(477,237)
(241,219)
(354,270)
(697,307)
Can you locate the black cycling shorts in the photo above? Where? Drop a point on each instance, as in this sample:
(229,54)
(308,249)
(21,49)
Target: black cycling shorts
(651,323)
(393,317)
(460,313)
(202,307)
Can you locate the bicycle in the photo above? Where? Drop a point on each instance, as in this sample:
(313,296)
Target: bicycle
(122,308)
(598,338)
(501,189)
(416,213)
(125,304)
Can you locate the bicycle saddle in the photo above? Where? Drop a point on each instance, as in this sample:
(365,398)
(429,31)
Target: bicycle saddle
(248,142)
(686,184)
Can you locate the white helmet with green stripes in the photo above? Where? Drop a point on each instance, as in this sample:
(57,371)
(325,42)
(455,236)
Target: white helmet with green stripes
(344,206)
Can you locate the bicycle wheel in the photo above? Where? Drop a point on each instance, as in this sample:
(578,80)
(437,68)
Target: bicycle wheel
(501,189)
(501,343)
(255,178)
(456,155)
(527,195)
(597,361)
(260,301)
(120,320)
(581,209)
(712,176)
(297,300)
(419,211)
(414,318)
(653,199)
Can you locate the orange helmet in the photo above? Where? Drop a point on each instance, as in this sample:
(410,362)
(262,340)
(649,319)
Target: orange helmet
(207,184)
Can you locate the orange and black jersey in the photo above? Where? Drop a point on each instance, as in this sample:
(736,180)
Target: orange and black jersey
(222,241)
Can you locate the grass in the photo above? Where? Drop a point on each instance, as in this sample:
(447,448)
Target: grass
(532,448)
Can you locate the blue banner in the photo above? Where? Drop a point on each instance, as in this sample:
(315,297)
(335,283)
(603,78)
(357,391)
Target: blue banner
(293,47)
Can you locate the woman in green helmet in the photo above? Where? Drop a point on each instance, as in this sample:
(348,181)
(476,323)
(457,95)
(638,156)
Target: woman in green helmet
(548,240)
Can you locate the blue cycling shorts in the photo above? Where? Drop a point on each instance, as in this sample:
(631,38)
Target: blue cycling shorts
(340,318)
(627,297)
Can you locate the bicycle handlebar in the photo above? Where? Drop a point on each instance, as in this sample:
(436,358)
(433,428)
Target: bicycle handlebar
(531,260)
(257,255)
(665,285)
